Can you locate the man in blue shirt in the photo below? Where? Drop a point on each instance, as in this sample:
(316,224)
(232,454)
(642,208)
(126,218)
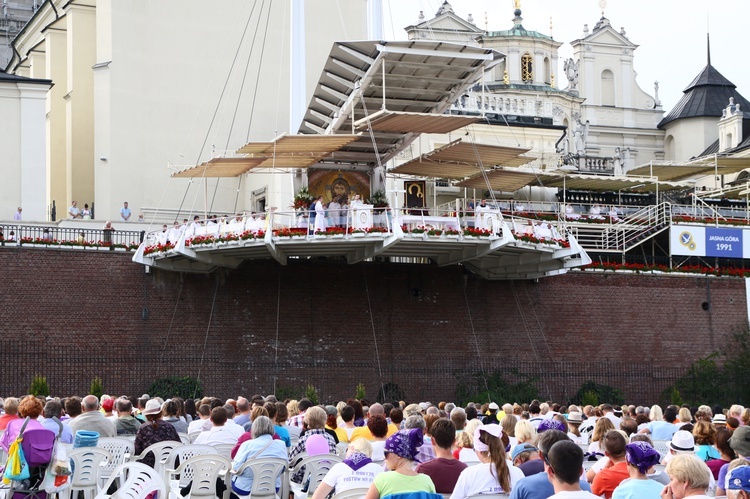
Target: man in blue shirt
(538,486)
(125,212)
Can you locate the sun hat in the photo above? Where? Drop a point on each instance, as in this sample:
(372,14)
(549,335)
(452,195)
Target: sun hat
(521,448)
(642,455)
(682,441)
(493,406)
(575,417)
(152,407)
(719,419)
(739,479)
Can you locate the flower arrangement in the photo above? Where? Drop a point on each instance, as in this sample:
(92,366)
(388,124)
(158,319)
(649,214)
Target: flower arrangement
(529,238)
(416,230)
(435,232)
(352,230)
(378,230)
(709,221)
(379,199)
(247,235)
(228,237)
(302,200)
(452,232)
(260,234)
(200,241)
(158,248)
(474,232)
(283,232)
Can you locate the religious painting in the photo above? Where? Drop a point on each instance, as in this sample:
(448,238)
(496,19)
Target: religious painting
(338,185)
(415,193)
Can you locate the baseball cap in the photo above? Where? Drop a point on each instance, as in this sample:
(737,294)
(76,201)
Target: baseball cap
(740,441)
(739,478)
(518,449)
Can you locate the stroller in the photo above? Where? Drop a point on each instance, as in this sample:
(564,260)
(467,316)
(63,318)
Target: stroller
(38,446)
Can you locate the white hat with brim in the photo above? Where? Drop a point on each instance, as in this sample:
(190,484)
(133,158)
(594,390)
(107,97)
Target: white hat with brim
(152,407)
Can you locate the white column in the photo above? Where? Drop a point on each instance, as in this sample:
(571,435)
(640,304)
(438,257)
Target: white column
(33,151)
(297,70)
(374,19)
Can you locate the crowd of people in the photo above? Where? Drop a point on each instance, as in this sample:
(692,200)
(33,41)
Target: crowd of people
(528,451)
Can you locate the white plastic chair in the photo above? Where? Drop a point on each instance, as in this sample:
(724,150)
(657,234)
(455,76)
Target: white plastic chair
(120,449)
(316,468)
(185,438)
(353,494)
(161,452)
(203,471)
(341,448)
(181,454)
(88,463)
(661,446)
(265,471)
(138,481)
(224,450)
(193,435)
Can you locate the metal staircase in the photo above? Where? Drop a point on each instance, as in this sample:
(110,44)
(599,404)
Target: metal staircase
(626,234)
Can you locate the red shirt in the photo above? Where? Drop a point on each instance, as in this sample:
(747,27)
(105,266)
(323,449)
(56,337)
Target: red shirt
(5,419)
(607,480)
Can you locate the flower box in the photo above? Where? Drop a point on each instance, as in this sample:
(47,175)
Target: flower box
(357,234)
(337,236)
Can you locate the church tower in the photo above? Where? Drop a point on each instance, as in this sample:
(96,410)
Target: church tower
(620,114)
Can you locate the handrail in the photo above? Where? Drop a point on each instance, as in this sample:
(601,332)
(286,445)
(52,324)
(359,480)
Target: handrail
(718,215)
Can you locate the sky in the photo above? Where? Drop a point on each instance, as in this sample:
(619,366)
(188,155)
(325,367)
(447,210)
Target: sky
(671,34)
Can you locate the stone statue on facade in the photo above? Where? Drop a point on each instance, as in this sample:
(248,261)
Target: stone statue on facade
(581,134)
(571,72)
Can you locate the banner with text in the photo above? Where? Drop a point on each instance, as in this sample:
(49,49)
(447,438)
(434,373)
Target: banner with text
(691,240)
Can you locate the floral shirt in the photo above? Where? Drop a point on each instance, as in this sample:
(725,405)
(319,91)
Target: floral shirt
(148,435)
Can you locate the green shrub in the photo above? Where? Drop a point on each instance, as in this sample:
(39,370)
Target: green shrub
(312,394)
(480,387)
(97,387)
(39,386)
(176,386)
(591,393)
(360,393)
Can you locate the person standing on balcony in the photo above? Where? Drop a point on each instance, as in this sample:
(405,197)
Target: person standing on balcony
(320,215)
(125,212)
(17,214)
(73,211)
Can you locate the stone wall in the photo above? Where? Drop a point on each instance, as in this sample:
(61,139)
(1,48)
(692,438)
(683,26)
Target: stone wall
(72,315)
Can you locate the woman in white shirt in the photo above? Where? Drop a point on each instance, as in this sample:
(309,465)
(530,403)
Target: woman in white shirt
(495,474)
(355,472)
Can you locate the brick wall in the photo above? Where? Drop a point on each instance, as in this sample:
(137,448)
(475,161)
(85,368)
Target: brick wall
(72,315)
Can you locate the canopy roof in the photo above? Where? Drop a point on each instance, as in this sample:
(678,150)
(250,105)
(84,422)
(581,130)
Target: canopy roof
(411,78)
(392,121)
(695,169)
(458,160)
(503,179)
(286,151)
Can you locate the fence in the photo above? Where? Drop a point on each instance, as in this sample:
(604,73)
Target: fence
(128,364)
(52,233)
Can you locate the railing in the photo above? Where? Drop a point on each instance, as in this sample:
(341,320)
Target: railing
(54,235)
(633,228)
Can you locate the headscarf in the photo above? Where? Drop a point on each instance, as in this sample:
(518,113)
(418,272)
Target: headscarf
(357,460)
(494,430)
(404,443)
(551,424)
(642,455)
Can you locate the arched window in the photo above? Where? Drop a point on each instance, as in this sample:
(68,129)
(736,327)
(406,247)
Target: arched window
(547,72)
(608,88)
(669,148)
(527,72)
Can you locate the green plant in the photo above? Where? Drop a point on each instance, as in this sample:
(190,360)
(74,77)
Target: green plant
(360,393)
(303,199)
(482,387)
(176,386)
(312,394)
(39,386)
(97,387)
(595,394)
(287,392)
(379,199)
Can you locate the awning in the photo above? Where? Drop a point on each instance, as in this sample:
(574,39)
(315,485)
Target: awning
(505,180)
(583,182)
(460,159)
(695,169)
(287,151)
(396,122)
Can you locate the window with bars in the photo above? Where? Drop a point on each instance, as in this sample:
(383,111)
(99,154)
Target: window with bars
(527,73)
